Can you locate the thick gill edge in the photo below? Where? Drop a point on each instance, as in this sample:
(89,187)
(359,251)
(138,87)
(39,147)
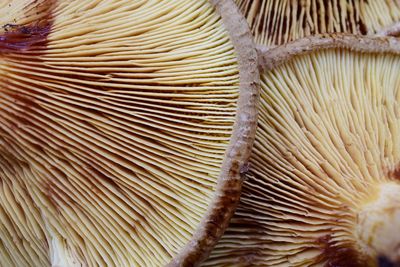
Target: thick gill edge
(319,156)
(273,57)
(237,155)
(146,116)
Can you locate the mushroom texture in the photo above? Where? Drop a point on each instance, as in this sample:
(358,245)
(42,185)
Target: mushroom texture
(324,186)
(124,125)
(275,22)
(391,30)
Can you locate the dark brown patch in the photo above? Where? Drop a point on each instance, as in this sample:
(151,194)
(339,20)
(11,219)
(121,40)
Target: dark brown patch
(395,174)
(30,40)
(339,256)
(18,37)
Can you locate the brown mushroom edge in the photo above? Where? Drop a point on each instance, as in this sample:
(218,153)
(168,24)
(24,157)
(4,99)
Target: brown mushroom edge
(235,164)
(272,58)
(370,219)
(380,217)
(20,38)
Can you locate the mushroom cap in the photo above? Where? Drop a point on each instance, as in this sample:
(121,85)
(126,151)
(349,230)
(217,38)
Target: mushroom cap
(280,21)
(124,126)
(323,187)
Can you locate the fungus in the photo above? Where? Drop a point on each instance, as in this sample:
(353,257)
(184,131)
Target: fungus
(323,187)
(391,30)
(123,129)
(281,21)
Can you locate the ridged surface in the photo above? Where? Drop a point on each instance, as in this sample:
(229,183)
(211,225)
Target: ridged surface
(327,137)
(237,154)
(113,129)
(275,22)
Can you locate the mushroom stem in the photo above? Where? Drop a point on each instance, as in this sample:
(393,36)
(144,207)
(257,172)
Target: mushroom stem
(378,223)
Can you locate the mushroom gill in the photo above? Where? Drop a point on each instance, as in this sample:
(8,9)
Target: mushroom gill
(324,185)
(123,125)
(275,22)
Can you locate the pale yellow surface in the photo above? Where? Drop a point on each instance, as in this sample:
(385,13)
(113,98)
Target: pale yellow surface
(112,136)
(327,140)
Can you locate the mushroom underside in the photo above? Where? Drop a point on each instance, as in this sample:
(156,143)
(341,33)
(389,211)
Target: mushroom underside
(114,124)
(324,185)
(278,22)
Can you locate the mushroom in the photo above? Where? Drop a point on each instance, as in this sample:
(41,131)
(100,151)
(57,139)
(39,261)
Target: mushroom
(391,30)
(280,21)
(323,187)
(124,127)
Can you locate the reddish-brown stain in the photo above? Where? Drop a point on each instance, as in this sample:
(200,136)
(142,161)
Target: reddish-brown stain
(22,38)
(16,39)
(335,256)
(395,174)
(19,37)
